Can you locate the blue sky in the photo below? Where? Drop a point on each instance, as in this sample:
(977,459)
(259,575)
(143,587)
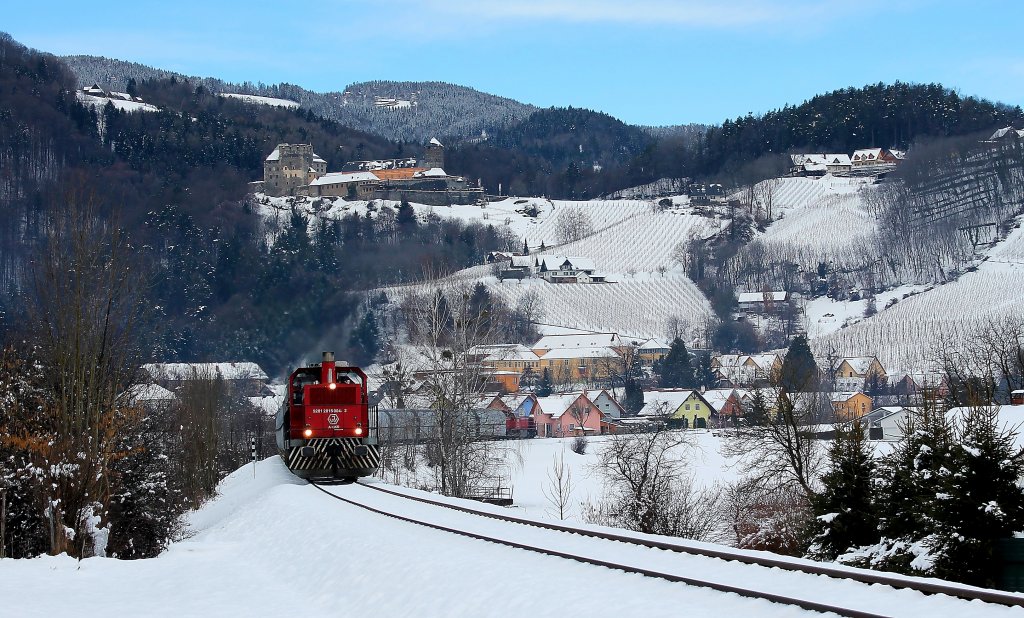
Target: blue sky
(644,61)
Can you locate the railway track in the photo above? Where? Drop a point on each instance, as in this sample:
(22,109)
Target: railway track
(611,559)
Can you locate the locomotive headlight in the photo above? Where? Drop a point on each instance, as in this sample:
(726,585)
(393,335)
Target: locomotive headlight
(308,432)
(359,431)
(333,386)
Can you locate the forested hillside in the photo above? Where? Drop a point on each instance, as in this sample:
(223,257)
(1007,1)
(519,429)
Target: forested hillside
(175,182)
(437,109)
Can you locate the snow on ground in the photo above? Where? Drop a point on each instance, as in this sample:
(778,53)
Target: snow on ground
(639,305)
(904,335)
(119,104)
(513,213)
(273,546)
(817,220)
(250,98)
(643,243)
(826,315)
(270,545)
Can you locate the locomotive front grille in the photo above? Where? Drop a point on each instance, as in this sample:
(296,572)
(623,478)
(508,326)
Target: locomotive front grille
(348,453)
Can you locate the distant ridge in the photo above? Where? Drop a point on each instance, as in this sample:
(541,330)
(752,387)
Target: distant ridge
(442,110)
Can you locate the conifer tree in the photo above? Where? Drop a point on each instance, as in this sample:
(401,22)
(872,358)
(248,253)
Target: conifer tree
(981,501)
(633,397)
(799,370)
(674,370)
(844,509)
(544,388)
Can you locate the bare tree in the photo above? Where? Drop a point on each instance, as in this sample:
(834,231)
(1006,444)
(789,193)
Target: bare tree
(83,312)
(647,489)
(573,224)
(559,489)
(445,325)
(783,451)
(765,193)
(201,399)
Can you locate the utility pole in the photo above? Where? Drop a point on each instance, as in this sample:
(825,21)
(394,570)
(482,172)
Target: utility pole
(3,521)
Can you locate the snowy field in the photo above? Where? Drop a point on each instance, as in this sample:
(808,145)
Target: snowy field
(119,104)
(251,98)
(273,546)
(270,545)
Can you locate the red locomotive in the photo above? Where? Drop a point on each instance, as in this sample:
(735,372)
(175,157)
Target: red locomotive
(326,428)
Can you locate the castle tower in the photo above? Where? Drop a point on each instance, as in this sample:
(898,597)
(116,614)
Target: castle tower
(433,154)
(291,166)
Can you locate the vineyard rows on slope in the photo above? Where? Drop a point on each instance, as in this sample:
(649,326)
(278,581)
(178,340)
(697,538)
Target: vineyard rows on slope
(904,336)
(639,306)
(644,243)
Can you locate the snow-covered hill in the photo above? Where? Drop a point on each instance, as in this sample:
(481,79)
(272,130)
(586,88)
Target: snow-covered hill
(904,335)
(249,98)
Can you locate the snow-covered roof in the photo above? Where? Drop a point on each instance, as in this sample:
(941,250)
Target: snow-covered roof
(657,403)
(275,155)
(717,398)
(267,405)
(570,353)
(1001,133)
(337,178)
(584,340)
(142,393)
(434,142)
(765,361)
(654,344)
(868,154)
(521,261)
(434,172)
(516,353)
(844,395)
(317,159)
(837,159)
(859,364)
(757,297)
(557,404)
(555,262)
(188,371)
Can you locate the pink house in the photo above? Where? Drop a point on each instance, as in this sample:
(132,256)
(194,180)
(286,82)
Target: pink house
(569,414)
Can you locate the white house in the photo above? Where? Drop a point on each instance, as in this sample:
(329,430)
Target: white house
(562,269)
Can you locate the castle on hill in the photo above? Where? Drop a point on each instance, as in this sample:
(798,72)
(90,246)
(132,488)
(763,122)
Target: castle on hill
(295,169)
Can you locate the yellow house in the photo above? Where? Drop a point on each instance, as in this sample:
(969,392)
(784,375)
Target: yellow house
(682,407)
(848,406)
(861,368)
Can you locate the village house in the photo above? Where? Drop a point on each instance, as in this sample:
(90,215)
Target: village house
(746,369)
(609,407)
(679,407)
(572,414)
(652,351)
(850,405)
(725,404)
(562,269)
(855,373)
(507,363)
(763,302)
(246,379)
(517,267)
(873,156)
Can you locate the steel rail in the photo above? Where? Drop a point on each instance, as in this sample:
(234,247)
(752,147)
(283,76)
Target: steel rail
(690,581)
(866,577)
